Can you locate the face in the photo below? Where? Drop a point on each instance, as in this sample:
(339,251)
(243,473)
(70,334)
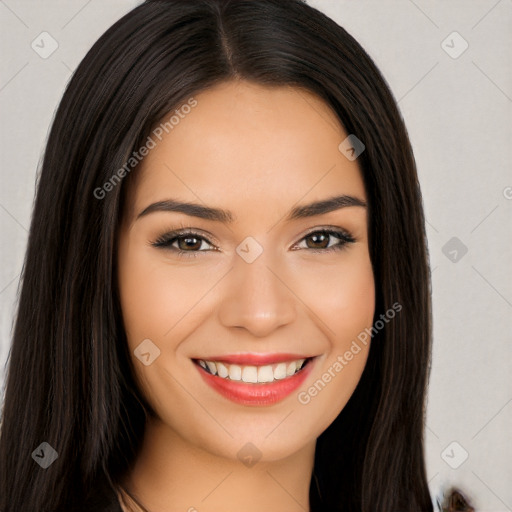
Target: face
(246,308)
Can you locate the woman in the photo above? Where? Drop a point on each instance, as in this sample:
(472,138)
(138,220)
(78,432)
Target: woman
(226,295)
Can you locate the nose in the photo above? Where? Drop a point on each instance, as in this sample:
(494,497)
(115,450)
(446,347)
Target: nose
(257,297)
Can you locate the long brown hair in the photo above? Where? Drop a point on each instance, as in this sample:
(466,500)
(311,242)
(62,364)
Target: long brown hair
(69,380)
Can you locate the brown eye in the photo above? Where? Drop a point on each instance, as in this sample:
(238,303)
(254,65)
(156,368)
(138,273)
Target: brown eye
(189,242)
(327,240)
(183,243)
(319,241)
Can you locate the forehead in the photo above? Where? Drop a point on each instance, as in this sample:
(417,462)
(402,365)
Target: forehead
(248,146)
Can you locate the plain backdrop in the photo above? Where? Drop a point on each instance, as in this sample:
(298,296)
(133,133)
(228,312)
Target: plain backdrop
(449,66)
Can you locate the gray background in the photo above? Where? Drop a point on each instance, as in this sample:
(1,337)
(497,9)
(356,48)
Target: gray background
(457,109)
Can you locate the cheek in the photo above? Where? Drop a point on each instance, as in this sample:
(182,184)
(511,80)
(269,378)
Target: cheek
(344,299)
(154,297)
(353,308)
(342,295)
(156,302)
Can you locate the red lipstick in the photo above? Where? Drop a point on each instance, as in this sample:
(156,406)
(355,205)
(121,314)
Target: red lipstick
(256,394)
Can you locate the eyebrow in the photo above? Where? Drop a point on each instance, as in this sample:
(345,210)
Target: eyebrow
(219,215)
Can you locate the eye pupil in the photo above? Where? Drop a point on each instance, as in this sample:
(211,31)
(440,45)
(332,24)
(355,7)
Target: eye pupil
(316,237)
(196,244)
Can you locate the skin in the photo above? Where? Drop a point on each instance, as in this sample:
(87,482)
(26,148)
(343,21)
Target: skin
(257,152)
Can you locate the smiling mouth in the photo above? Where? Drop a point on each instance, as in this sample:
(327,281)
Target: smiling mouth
(251,374)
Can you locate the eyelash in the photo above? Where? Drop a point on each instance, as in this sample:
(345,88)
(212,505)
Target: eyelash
(165,241)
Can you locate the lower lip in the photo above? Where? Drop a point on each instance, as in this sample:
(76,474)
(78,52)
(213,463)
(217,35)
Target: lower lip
(256,394)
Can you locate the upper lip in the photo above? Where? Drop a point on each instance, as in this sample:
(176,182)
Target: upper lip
(255,359)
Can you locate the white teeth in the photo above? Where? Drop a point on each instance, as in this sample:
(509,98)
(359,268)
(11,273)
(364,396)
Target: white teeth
(222,370)
(265,374)
(253,374)
(235,372)
(291,368)
(280,371)
(250,374)
(212,367)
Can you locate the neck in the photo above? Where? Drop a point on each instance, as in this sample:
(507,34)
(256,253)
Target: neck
(171,474)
